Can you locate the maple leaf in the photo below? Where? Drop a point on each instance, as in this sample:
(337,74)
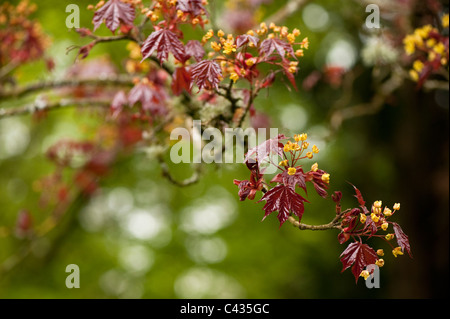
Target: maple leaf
(194,7)
(283,199)
(402,238)
(206,74)
(151,98)
(359,255)
(261,152)
(245,39)
(269,46)
(291,180)
(163,41)
(194,49)
(113,12)
(181,81)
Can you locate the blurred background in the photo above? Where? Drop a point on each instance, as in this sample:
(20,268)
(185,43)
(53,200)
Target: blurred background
(139,236)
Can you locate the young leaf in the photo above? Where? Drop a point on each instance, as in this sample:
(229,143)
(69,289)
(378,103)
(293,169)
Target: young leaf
(181,81)
(269,46)
(194,7)
(283,199)
(402,238)
(194,49)
(359,255)
(261,152)
(152,98)
(207,74)
(163,41)
(113,12)
(245,39)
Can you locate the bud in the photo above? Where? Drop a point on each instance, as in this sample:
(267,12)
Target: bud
(384,226)
(397,206)
(375,217)
(292,170)
(387,212)
(380,252)
(389,236)
(362,218)
(314,167)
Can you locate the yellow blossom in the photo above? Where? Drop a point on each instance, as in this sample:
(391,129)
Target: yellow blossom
(445,21)
(414,75)
(365,274)
(283,163)
(418,65)
(309,155)
(228,47)
(396,206)
(380,252)
(384,226)
(292,170)
(314,167)
(216,46)
(375,217)
(234,76)
(397,251)
(362,218)
(326,178)
(380,262)
(299,53)
(389,236)
(315,149)
(387,212)
(305,145)
(220,33)
(377,204)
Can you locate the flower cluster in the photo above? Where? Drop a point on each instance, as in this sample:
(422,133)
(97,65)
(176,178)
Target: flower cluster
(430,48)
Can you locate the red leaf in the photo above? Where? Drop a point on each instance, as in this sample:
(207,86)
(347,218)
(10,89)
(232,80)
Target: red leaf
(151,98)
(269,46)
(194,49)
(207,74)
(181,81)
(292,180)
(359,255)
(163,41)
(245,39)
(194,7)
(112,13)
(358,195)
(283,199)
(265,149)
(402,238)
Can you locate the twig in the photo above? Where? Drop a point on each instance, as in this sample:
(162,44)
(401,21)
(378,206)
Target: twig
(183,183)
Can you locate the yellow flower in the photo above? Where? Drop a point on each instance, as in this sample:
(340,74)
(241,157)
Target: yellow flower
(216,46)
(439,48)
(418,65)
(409,44)
(234,76)
(305,43)
(228,47)
(296,32)
(315,149)
(299,53)
(287,146)
(380,262)
(291,38)
(309,155)
(326,178)
(362,218)
(387,212)
(397,251)
(305,145)
(283,163)
(377,204)
(292,170)
(384,226)
(414,75)
(445,21)
(380,252)
(220,33)
(303,137)
(297,137)
(315,167)
(375,217)
(389,236)
(396,206)
(365,274)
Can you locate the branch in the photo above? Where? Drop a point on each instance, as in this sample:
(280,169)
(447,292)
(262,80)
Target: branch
(53,84)
(334,224)
(183,183)
(49,106)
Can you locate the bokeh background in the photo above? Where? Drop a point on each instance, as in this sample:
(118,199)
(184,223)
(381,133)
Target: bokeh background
(142,237)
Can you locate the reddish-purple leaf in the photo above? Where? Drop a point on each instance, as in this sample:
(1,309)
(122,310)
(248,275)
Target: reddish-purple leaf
(261,152)
(194,7)
(245,39)
(292,180)
(359,196)
(151,98)
(194,49)
(402,239)
(207,74)
(119,100)
(283,199)
(163,41)
(359,255)
(181,81)
(113,12)
(269,46)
